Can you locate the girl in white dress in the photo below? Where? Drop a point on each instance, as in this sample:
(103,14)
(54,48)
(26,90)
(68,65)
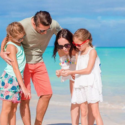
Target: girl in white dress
(88,86)
(67,51)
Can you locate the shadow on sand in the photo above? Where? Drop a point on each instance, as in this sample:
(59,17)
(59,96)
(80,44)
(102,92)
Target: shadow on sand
(62,124)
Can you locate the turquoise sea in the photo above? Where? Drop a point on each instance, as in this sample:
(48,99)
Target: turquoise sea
(112,66)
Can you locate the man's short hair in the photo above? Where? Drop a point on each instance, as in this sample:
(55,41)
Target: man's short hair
(42,17)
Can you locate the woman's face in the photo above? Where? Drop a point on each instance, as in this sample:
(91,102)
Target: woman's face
(64,45)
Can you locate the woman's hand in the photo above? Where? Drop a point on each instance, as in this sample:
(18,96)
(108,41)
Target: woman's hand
(58,72)
(26,92)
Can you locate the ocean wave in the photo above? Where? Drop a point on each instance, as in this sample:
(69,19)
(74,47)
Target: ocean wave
(120,106)
(107,105)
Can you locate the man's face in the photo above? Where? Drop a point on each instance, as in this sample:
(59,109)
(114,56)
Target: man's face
(41,29)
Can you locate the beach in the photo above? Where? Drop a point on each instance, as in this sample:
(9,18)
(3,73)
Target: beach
(112,109)
(58,112)
(104,19)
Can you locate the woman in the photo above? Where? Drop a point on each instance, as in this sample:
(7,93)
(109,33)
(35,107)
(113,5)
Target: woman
(66,50)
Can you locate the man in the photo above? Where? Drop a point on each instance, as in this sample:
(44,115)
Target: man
(39,30)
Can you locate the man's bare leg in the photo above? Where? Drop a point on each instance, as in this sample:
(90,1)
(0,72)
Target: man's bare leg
(25,112)
(41,108)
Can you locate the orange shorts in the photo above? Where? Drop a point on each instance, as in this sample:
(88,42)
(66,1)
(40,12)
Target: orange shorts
(39,75)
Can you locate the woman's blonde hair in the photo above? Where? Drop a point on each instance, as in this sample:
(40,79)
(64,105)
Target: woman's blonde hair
(14,29)
(82,35)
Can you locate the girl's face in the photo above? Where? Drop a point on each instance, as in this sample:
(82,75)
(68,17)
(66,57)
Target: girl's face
(81,45)
(64,45)
(19,38)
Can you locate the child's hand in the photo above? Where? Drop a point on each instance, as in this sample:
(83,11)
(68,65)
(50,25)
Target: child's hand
(73,76)
(26,92)
(58,73)
(65,73)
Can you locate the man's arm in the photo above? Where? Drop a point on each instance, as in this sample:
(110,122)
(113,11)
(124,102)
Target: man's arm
(57,28)
(3,54)
(3,44)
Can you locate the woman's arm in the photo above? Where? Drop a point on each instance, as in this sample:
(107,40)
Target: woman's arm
(92,58)
(76,56)
(58,72)
(13,51)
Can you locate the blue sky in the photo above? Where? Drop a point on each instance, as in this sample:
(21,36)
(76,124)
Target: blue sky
(103,18)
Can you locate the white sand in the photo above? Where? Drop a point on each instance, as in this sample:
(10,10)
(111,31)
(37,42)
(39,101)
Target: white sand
(58,112)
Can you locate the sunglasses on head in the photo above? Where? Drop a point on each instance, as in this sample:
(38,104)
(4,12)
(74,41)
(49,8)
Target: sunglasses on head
(79,45)
(65,45)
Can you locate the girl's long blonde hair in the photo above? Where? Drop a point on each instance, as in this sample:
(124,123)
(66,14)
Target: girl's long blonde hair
(13,30)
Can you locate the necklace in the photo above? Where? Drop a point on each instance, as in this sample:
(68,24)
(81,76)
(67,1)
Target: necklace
(67,61)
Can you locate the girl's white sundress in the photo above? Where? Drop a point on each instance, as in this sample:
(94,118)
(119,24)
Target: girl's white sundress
(87,88)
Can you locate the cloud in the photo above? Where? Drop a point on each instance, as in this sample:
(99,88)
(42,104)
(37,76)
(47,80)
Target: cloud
(118,9)
(62,8)
(104,19)
(92,23)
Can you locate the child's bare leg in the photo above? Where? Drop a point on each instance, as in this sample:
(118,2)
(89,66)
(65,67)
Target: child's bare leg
(75,109)
(84,113)
(91,118)
(12,115)
(96,113)
(75,112)
(6,109)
